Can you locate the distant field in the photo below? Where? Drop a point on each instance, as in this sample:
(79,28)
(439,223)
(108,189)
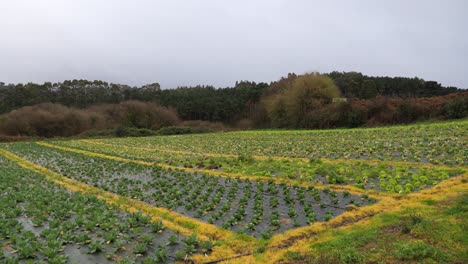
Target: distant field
(325,196)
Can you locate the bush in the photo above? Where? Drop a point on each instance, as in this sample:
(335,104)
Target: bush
(457,108)
(5,138)
(356,116)
(299,102)
(408,223)
(130,118)
(138,114)
(174,130)
(45,120)
(414,251)
(349,256)
(133,132)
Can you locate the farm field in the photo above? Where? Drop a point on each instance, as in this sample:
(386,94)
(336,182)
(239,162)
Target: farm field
(47,222)
(327,196)
(438,143)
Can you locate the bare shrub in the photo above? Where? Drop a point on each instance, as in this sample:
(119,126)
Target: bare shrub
(5,138)
(45,120)
(51,120)
(136,114)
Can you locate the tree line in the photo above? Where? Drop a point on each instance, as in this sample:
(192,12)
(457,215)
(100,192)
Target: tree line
(336,99)
(205,102)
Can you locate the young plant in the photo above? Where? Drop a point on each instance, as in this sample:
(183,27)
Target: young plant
(292,212)
(207,247)
(192,240)
(157,227)
(140,248)
(328,216)
(95,247)
(172,240)
(266,235)
(180,255)
(161,255)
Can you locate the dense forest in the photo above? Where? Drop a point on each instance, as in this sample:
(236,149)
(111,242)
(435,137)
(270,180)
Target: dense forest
(204,102)
(347,99)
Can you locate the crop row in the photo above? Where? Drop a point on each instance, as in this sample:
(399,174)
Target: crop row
(398,178)
(43,222)
(444,143)
(251,207)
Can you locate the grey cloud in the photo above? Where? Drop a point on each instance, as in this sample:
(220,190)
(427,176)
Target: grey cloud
(189,42)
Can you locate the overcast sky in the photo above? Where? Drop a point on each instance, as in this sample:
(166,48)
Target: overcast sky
(189,42)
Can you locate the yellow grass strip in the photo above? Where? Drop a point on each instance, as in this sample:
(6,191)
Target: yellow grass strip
(232,244)
(350,189)
(260,157)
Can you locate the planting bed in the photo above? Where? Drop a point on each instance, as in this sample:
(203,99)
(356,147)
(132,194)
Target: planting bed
(256,208)
(397,178)
(41,221)
(444,143)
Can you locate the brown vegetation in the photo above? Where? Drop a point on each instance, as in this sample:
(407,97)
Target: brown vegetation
(305,101)
(136,114)
(51,120)
(289,105)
